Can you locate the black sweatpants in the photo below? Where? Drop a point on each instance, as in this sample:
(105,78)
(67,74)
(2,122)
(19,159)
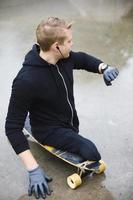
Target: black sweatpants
(68,140)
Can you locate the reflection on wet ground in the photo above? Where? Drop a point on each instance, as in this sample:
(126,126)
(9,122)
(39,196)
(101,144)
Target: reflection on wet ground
(105,112)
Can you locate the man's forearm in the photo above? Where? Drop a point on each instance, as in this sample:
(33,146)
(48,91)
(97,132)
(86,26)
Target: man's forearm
(28,160)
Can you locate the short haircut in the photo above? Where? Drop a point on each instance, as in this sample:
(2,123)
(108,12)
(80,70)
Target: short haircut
(50,31)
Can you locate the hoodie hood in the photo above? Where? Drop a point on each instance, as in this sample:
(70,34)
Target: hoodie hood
(32,58)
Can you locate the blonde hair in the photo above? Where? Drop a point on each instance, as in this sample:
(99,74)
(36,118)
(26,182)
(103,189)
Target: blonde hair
(50,31)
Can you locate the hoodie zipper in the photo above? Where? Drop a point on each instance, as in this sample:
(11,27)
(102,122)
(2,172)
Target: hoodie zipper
(70,105)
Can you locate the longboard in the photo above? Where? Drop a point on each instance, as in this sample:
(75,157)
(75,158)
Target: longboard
(83,167)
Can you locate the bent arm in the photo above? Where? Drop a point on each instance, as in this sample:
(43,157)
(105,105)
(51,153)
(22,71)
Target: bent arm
(87,62)
(92,64)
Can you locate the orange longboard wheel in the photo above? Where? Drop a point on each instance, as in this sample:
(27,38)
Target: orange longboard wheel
(74,181)
(102,167)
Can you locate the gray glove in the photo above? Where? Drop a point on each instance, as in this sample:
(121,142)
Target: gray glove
(109,74)
(38,183)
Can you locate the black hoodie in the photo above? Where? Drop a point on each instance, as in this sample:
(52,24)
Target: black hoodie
(45,91)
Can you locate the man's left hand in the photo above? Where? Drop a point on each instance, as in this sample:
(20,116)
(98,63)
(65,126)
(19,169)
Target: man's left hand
(110,74)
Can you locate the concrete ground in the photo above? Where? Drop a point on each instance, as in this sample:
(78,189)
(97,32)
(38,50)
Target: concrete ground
(106,113)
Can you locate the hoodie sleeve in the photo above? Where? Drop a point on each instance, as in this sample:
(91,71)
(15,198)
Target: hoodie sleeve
(20,102)
(86,62)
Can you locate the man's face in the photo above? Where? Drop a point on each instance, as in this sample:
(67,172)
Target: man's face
(67,45)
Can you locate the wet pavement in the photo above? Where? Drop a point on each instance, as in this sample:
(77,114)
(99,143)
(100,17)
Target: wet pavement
(105,113)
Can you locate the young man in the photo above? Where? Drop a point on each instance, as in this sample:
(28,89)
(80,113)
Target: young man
(44,89)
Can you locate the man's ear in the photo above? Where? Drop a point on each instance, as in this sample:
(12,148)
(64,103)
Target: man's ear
(55,46)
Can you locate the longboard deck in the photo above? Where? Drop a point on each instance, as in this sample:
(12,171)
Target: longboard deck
(84,166)
(72,158)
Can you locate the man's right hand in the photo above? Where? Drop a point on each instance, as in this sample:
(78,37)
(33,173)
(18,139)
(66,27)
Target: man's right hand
(38,183)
